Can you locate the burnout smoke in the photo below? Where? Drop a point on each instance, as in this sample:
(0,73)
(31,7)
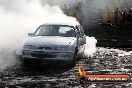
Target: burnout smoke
(19,17)
(90,47)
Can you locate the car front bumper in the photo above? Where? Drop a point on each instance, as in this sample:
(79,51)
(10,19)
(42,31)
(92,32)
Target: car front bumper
(47,55)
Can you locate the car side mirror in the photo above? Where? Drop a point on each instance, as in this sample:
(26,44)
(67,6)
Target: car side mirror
(30,34)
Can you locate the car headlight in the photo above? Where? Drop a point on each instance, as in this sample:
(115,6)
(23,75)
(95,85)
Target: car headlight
(28,47)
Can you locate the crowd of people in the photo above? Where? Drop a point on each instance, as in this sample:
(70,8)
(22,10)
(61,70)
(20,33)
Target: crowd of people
(123,19)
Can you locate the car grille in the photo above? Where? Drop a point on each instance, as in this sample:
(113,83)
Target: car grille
(48,48)
(41,54)
(45,48)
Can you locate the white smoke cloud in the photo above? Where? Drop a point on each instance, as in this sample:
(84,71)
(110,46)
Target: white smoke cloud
(62,3)
(90,47)
(19,17)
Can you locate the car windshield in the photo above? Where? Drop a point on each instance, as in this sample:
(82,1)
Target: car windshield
(55,30)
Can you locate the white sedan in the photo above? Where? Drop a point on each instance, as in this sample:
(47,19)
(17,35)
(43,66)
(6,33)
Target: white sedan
(55,42)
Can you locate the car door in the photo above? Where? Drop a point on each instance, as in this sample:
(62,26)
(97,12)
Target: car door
(81,38)
(81,35)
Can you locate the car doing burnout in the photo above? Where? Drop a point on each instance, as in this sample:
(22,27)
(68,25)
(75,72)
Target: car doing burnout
(63,42)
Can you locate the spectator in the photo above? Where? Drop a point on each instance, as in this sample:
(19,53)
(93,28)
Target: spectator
(117,16)
(130,16)
(124,21)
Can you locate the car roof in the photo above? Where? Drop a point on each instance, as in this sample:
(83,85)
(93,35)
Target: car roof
(70,24)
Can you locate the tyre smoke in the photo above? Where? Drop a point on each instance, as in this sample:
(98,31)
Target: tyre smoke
(19,17)
(90,48)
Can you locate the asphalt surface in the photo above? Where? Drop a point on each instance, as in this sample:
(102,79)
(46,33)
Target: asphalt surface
(104,61)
